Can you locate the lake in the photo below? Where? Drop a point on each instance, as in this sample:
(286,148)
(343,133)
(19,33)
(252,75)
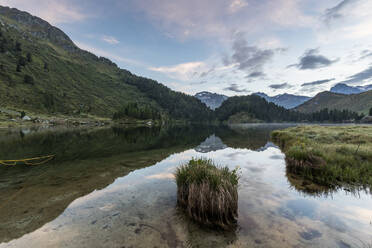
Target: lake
(114,187)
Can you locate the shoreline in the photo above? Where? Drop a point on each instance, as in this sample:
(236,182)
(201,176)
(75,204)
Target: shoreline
(328,155)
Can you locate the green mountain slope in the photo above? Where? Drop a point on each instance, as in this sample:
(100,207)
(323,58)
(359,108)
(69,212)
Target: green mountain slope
(253,108)
(358,102)
(43,71)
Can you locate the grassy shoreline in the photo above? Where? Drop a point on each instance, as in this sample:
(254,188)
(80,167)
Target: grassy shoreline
(329,155)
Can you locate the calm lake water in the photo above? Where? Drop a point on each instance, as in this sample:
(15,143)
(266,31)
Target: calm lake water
(114,187)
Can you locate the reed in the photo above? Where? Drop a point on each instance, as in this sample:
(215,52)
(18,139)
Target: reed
(208,193)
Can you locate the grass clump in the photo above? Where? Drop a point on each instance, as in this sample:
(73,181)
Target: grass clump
(329,155)
(208,193)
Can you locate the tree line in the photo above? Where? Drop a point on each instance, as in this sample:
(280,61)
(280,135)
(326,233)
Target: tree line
(262,110)
(253,105)
(137,111)
(176,105)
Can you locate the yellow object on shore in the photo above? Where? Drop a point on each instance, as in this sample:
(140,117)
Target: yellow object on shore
(28,161)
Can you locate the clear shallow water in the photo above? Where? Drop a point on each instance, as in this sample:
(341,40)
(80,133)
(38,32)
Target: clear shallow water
(127,198)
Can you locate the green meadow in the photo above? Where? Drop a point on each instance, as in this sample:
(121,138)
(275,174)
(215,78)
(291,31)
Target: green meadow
(329,155)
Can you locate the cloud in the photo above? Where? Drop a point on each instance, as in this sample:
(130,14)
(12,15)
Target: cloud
(249,59)
(337,11)
(185,71)
(313,60)
(218,18)
(318,82)
(360,77)
(237,5)
(365,54)
(280,86)
(161,176)
(199,82)
(206,73)
(349,19)
(110,39)
(53,11)
(235,88)
(115,57)
(256,74)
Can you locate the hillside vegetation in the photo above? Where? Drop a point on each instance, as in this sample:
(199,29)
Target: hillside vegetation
(253,108)
(360,103)
(43,71)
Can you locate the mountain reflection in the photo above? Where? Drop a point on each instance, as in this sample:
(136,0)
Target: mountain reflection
(86,160)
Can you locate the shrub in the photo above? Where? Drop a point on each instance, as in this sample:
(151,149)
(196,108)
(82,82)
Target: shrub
(46,66)
(2,47)
(22,61)
(208,193)
(18,47)
(28,79)
(29,57)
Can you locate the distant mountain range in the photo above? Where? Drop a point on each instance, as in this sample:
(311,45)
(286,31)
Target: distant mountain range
(361,102)
(347,90)
(212,100)
(341,96)
(287,101)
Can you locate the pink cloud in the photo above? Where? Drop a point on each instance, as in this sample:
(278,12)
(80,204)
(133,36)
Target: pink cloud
(220,18)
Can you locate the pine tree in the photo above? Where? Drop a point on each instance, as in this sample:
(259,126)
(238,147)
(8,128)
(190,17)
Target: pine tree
(2,47)
(28,79)
(18,47)
(22,61)
(29,57)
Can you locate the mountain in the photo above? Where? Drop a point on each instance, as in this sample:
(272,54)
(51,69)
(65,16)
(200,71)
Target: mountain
(287,101)
(254,108)
(212,100)
(347,90)
(42,71)
(211,144)
(361,102)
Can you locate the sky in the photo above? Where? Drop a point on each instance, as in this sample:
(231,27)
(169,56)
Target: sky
(231,47)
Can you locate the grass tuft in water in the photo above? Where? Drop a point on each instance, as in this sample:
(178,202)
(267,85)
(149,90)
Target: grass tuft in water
(208,193)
